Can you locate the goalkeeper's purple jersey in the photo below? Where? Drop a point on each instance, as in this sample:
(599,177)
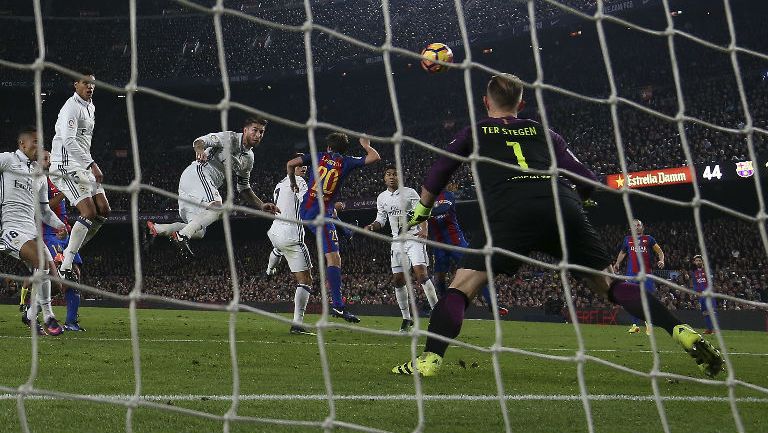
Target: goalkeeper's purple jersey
(518,142)
(332,169)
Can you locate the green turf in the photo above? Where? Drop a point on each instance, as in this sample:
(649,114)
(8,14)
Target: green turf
(271,361)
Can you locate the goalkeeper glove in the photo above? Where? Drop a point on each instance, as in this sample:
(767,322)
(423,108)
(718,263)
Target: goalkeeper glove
(419,214)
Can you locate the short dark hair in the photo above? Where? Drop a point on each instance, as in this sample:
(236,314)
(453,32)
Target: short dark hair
(337,142)
(27,129)
(257,120)
(506,90)
(83,70)
(390,166)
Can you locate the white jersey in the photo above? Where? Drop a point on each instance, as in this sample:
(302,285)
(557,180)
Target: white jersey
(242,159)
(19,189)
(289,204)
(74,132)
(389,206)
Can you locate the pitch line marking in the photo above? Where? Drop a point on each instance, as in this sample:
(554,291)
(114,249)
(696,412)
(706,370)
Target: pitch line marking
(398,397)
(314,343)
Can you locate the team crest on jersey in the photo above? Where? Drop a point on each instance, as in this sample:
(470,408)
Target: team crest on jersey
(71,123)
(745,169)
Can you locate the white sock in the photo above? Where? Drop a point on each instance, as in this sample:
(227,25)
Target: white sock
(34,304)
(300,300)
(274,259)
(430,292)
(199,223)
(401,293)
(95,227)
(167,229)
(44,298)
(76,239)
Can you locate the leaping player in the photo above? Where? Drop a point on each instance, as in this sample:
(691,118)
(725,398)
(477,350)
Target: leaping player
(201,180)
(333,166)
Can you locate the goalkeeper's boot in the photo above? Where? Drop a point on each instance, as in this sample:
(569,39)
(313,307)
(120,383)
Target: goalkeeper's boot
(38,328)
(182,244)
(52,327)
(74,327)
(428,364)
(634,329)
(344,314)
(300,330)
(148,235)
(406,325)
(709,359)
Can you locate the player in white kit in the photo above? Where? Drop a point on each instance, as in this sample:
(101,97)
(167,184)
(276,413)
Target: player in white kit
(393,205)
(73,170)
(199,198)
(19,189)
(288,241)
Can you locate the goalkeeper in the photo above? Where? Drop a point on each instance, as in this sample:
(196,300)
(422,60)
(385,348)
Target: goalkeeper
(522,218)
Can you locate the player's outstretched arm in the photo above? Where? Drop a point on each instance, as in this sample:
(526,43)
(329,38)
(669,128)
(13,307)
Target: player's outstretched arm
(619,259)
(250,197)
(371,154)
(290,168)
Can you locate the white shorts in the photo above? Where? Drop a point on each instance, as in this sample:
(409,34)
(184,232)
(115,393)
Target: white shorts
(12,239)
(415,254)
(294,251)
(76,184)
(196,186)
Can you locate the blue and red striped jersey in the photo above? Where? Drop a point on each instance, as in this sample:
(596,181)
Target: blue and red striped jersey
(60,210)
(637,253)
(699,279)
(332,169)
(443,225)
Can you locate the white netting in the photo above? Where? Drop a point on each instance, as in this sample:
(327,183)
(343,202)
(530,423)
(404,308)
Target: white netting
(580,358)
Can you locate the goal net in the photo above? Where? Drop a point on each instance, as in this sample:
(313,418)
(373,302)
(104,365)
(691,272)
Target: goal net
(620,105)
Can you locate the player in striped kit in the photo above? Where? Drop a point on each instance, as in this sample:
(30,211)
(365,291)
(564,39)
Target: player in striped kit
(636,253)
(333,166)
(288,241)
(700,280)
(73,170)
(199,198)
(19,189)
(393,205)
(444,227)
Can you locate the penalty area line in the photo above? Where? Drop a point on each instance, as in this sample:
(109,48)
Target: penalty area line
(397,397)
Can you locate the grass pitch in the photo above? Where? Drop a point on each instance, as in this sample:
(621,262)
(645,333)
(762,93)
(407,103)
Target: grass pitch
(185,365)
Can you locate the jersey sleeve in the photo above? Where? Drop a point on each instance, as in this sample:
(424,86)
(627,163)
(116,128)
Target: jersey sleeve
(303,188)
(215,139)
(651,241)
(353,162)
(381,212)
(6,161)
(625,245)
(440,172)
(568,161)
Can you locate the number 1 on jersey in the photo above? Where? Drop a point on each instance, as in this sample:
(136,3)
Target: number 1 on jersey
(518,153)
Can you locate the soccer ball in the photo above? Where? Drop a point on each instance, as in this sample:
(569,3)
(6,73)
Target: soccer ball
(436,51)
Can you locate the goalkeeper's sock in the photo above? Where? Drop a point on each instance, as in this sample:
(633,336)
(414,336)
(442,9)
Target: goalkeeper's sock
(167,229)
(401,293)
(628,295)
(430,292)
(446,320)
(333,274)
(300,300)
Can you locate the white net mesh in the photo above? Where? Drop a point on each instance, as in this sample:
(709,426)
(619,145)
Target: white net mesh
(581,357)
